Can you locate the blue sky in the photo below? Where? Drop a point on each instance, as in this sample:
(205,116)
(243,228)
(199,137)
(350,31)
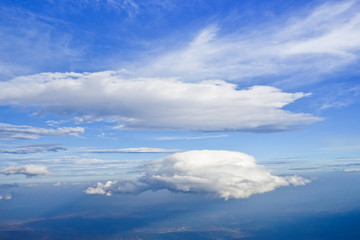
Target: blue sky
(132,119)
(101,90)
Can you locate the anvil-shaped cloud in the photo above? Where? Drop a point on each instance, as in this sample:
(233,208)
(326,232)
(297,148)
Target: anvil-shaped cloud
(224,174)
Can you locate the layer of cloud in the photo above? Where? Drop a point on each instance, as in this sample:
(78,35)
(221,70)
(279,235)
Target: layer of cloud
(132,150)
(223,174)
(9,131)
(27,170)
(152,103)
(38,148)
(304,46)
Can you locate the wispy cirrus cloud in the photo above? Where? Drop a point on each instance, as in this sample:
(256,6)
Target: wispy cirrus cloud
(27,170)
(32,42)
(154,103)
(9,131)
(304,46)
(223,174)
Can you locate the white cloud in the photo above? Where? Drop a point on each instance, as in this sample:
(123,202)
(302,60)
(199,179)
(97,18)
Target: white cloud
(57,184)
(352,170)
(304,46)
(154,102)
(5,197)
(132,150)
(28,170)
(9,131)
(117,187)
(224,174)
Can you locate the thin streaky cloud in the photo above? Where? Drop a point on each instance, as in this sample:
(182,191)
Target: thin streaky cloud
(352,170)
(131,150)
(28,149)
(10,131)
(165,138)
(304,46)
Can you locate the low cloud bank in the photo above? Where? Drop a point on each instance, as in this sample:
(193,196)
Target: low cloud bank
(223,174)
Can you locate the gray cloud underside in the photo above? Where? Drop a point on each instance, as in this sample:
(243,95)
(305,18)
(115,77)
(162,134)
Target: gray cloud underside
(154,103)
(223,174)
(9,131)
(27,170)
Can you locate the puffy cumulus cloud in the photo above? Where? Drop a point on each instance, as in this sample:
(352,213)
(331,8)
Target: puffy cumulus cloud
(9,131)
(155,102)
(118,187)
(224,174)
(28,170)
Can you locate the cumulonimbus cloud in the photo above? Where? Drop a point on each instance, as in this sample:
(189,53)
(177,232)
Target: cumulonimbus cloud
(224,174)
(155,103)
(27,170)
(10,131)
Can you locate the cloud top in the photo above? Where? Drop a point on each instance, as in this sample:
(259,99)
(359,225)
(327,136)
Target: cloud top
(224,174)
(155,103)
(27,170)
